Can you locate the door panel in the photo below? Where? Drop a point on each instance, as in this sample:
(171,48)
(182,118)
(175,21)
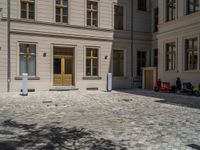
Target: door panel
(149,79)
(67,71)
(63,71)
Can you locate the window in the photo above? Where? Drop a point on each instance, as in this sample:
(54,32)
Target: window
(119,17)
(28,9)
(141,62)
(92,13)
(155,19)
(191,54)
(142,5)
(27,59)
(171,9)
(91,62)
(193,6)
(170,56)
(118,63)
(155,58)
(62,11)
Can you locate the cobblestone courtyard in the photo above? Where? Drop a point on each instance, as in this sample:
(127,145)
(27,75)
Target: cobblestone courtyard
(99,120)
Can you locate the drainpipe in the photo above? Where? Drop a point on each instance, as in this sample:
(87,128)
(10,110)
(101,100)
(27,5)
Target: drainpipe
(132,9)
(8,46)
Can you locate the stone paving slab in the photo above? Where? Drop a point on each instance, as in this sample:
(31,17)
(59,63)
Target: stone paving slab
(133,119)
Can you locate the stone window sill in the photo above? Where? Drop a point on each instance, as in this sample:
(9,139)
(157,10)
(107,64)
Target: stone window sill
(29,78)
(91,78)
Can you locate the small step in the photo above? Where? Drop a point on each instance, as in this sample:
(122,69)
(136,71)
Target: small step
(64,88)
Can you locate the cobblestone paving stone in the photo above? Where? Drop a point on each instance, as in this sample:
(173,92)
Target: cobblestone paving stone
(135,120)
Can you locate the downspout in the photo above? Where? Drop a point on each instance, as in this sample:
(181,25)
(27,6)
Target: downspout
(8,46)
(132,10)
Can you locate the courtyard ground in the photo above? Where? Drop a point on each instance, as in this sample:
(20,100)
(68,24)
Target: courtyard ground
(97,120)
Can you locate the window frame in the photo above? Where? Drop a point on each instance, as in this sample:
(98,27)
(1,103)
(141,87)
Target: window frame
(167,10)
(185,54)
(173,54)
(124,16)
(27,9)
(155,57)
(86,14)
(187,2)
(156,19)
(124,62)
(146,57)
(18,58)
(61,6)
(98,61)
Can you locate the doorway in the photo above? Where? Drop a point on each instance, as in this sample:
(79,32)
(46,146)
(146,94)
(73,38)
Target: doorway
(63,66)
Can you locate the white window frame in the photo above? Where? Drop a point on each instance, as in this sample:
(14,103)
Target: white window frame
(19,11)
(18,58)
(98,14)
(173,40)
(69,13)
(198,52)
(99,61)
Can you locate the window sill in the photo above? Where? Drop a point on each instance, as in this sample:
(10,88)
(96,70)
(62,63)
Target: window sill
(171,71)
(29,78)
(191,71)
(142,11)
(120,77)
(91,78)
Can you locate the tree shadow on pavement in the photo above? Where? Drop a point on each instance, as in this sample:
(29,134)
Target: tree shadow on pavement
(51,137)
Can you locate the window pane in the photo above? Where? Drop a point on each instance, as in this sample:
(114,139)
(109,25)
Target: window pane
(22,64)
(142,5)
(89,4)
(95,5)
(141,62)
(32,49)
(88,52)
(68,66)
(23,48)
(57,11)
(31,15)
(23,10)
(23,6)
(65,2)
(95,53)
(118,17)
(58,2)
(57,66)
(88,72)
(95,71)
(31,7)
(32,64)
(65,11)
(58,18)
(65,19)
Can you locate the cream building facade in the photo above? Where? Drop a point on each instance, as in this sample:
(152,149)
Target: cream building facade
(75,43)
(178,41)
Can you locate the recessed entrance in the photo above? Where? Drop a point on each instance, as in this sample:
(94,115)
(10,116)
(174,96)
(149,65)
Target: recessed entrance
(63,66)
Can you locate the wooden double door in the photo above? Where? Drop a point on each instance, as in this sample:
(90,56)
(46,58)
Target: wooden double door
(63,70)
